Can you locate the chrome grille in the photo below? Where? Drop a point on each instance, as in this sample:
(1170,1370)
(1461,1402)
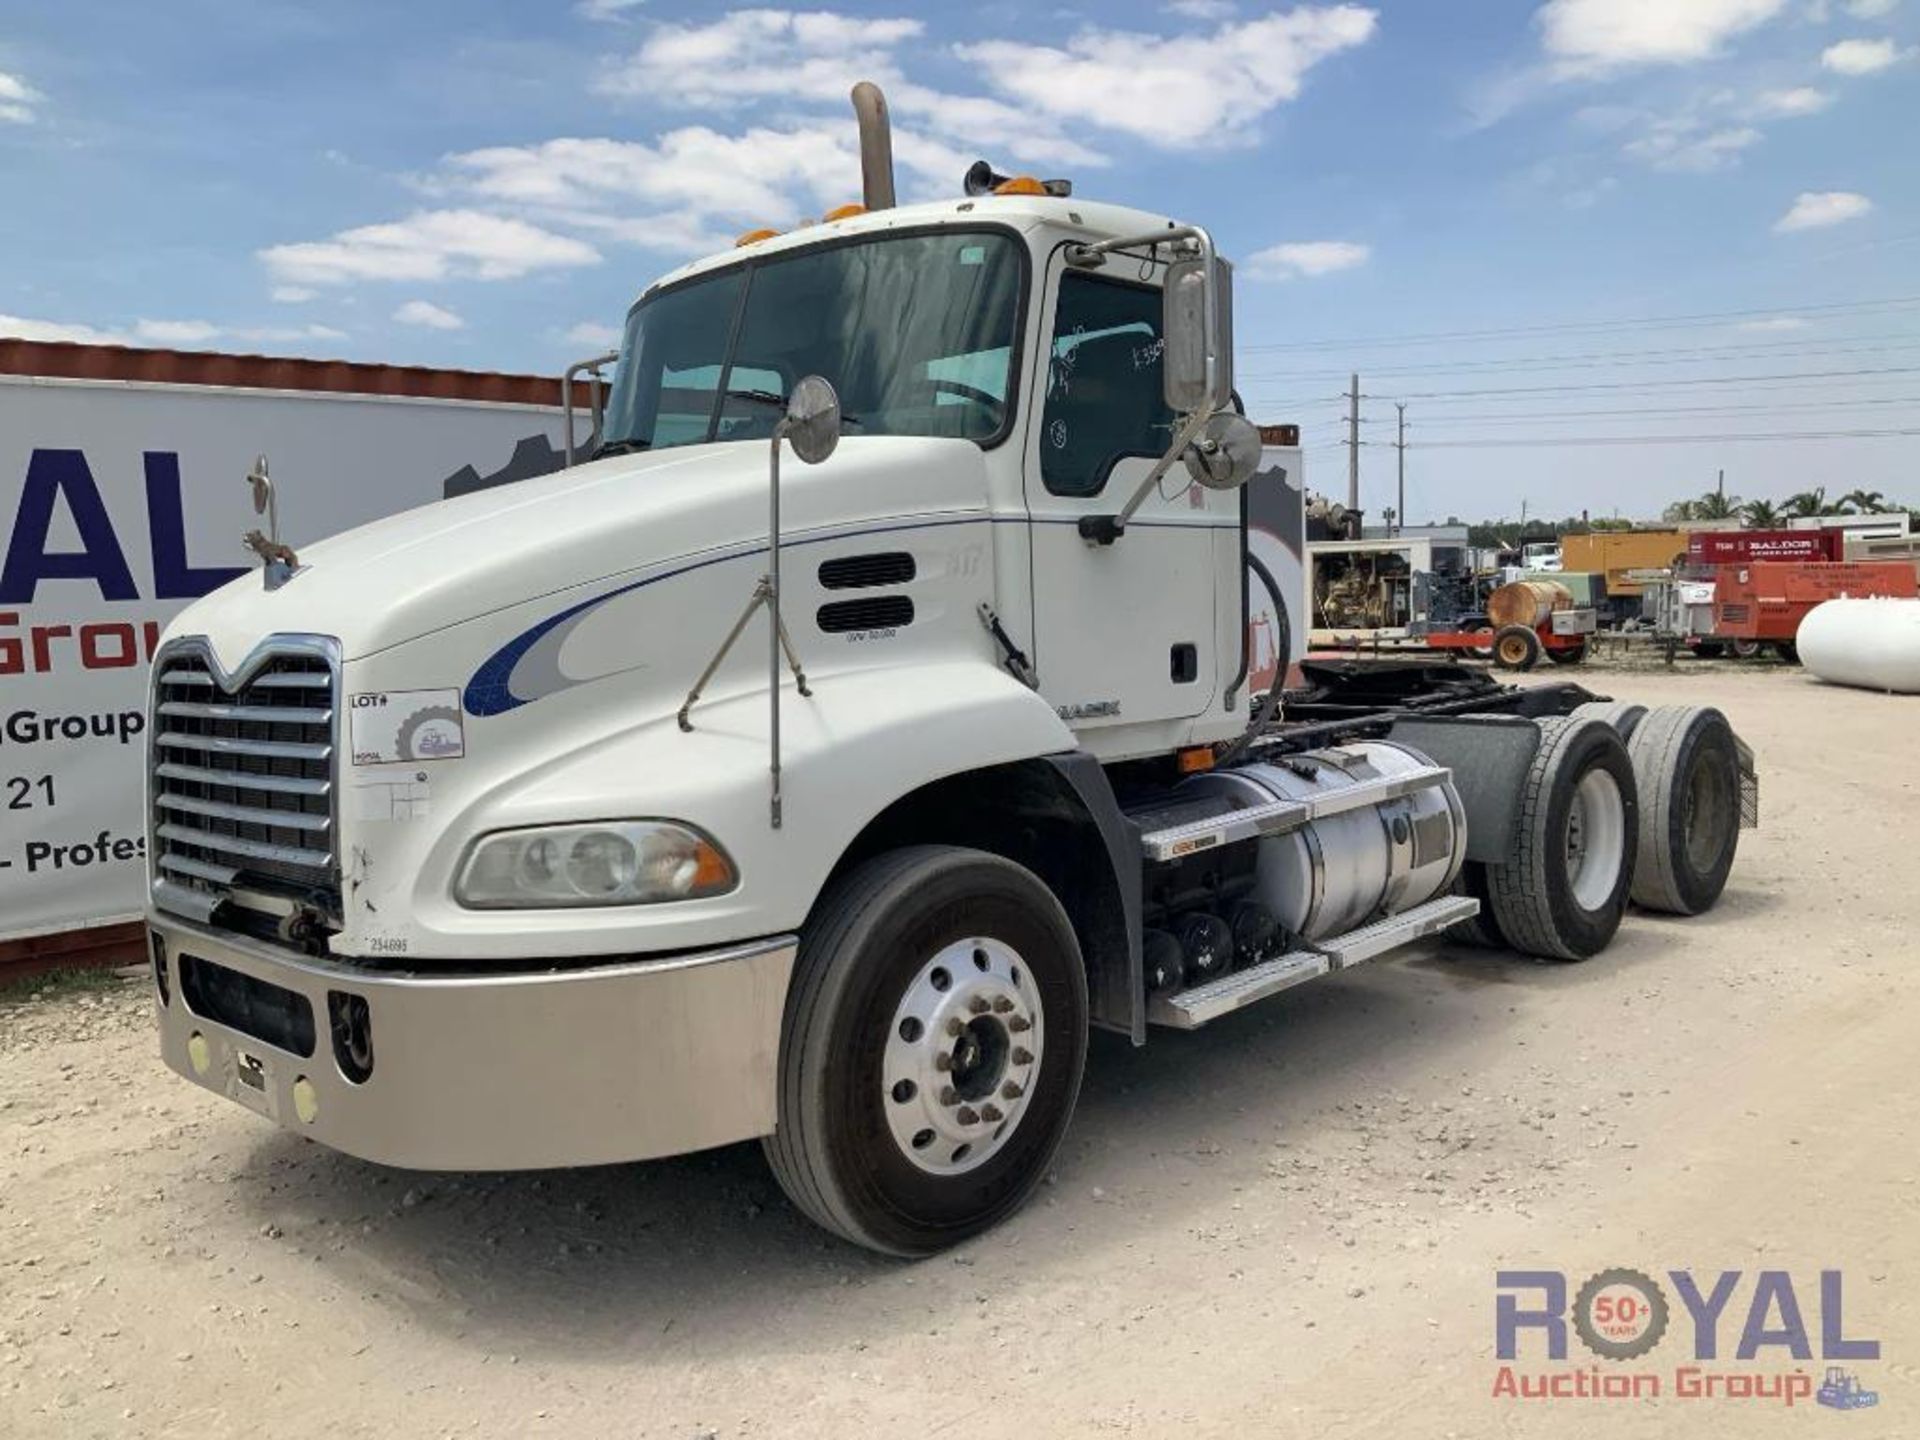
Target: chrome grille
(243,777)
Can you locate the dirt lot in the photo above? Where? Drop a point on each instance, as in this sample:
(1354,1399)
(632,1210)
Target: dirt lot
(1286,1225)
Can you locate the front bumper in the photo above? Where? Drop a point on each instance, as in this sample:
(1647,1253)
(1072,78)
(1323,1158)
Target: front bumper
(484,1072)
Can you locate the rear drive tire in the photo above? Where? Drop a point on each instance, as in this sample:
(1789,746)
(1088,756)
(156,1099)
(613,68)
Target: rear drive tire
(935,1034)
(1571,655)
(1481,627)
(1564,886)
(1516,647)
(1744,649)
(1686,763)
(1622,715)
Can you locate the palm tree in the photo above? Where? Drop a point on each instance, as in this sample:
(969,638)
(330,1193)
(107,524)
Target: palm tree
(1760,514)
(1867,502)
(1715,506)
(1681,510)
(1808,503)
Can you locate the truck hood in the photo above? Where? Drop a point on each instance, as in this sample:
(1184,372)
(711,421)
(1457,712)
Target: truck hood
(423,570)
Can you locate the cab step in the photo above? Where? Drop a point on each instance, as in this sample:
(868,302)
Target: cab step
(1191,1008)
(1276,817)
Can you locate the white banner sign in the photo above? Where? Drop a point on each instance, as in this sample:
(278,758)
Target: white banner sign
(119,504)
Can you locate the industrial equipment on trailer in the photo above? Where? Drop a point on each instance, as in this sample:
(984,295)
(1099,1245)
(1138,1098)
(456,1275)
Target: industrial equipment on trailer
(480,839)
(1759,606)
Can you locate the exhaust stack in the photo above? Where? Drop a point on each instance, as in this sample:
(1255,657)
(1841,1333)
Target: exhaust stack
(876,146)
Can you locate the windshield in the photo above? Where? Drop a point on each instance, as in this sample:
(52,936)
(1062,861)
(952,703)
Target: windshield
(916,332)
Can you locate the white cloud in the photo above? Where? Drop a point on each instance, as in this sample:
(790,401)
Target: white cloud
(1686,147)
(1773,323)
(814,59)
(1200,9)
(1589,36)
(593,333)
(606,11)
(1871,9)
(426,313)
(17,100)
(293,294)
(1178,91)
(18,327)
(1816,209)
(1862,57)
(1802,100)
(1306,258)
(429,245)
(176,332)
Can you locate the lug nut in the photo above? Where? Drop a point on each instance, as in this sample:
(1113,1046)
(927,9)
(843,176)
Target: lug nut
(1011,1091)
(1019,1024)
(949,1095)
(943,1062)
(968,1115)
(1022,1056)
(954,1027)
(979,1005)
(1002,1005)
(991,1114)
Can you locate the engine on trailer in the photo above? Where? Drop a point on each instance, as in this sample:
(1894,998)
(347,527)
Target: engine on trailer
(1359,832)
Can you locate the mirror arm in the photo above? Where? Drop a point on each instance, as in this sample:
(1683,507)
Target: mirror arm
(566,398)
(1105,529)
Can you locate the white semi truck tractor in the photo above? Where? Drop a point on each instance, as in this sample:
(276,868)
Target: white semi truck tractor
(861,720)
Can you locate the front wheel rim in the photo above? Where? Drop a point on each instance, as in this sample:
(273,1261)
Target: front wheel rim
(962,1056)
(1596,839)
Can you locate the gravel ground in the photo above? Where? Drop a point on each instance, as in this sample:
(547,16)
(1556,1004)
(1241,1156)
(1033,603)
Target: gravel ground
(1285,1225)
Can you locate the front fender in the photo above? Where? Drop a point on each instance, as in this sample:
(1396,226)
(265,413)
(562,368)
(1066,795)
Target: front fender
(864,739)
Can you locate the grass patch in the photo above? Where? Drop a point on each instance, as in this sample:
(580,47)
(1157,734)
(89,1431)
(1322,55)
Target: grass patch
(54,984)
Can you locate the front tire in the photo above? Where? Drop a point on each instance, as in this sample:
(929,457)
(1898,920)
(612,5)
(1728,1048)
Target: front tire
(1516,647)
(935,1035)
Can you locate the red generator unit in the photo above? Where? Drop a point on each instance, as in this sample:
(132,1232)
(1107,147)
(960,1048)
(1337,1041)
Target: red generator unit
(1761,605)
(1741,547)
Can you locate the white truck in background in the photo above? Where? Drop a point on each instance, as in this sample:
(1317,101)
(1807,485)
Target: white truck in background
(691,796)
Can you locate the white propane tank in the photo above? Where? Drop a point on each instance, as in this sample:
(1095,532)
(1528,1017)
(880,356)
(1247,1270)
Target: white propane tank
(1343,871)
(1874,644)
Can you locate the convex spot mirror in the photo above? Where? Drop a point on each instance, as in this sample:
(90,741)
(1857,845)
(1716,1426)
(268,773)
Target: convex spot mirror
(1183,325)
(812,425)
(1225,454)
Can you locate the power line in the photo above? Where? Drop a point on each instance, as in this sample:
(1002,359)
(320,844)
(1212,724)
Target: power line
(1606,359)
(1793,375)
(1570,327)
(1574,441)
(1655,412)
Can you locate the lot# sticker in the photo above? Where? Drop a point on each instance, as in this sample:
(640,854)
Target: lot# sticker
(394,727)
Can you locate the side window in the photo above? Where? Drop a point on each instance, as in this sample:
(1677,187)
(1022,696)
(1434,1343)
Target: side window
(1103,384)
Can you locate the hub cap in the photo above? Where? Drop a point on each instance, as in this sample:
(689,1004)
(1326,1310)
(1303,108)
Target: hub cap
(962,1056)
(1596,838)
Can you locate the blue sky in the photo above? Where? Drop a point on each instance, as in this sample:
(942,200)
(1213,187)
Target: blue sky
(1624,218)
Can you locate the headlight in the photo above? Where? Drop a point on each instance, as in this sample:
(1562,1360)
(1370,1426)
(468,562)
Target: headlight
(616,862)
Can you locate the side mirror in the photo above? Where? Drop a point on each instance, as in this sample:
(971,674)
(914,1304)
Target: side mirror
(1190,299)
(812,424)
(1226,453)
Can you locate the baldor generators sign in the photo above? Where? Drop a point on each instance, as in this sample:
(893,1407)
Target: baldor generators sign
(119,504)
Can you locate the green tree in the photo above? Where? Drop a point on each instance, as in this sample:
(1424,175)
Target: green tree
(1682,510)
(1760,514)
(1715,506)
(1808,503)
(1867,502)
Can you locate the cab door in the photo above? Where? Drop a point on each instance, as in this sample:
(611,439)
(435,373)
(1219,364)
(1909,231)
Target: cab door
(1128,637)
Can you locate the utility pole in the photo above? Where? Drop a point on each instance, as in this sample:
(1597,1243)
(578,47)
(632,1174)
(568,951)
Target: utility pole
(1400,444)
(1353,443)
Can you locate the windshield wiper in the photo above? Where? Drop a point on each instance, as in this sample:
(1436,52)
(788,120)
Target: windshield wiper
(767,397)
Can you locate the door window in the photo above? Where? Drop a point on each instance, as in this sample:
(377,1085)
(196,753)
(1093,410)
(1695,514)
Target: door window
(1104,400)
